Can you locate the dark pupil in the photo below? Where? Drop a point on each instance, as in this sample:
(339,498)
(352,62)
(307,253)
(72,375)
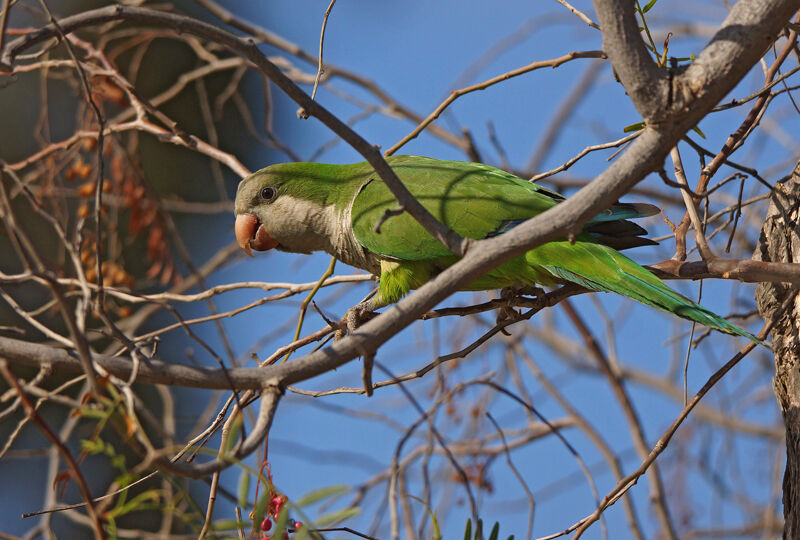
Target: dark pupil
(267,193)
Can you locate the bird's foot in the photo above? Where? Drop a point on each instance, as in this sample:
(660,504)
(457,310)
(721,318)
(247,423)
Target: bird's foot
(507,312)
(355,317)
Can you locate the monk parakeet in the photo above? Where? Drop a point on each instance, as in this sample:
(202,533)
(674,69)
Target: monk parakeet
(305,207)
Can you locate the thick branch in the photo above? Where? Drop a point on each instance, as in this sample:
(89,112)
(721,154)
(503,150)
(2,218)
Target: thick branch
(661,97)
(150,371)
(745,270)
(646,84)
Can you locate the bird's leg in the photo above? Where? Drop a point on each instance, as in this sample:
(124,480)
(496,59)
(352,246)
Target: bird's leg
(355,317)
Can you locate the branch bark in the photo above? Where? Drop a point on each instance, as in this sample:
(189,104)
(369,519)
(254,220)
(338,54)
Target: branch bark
(748,271)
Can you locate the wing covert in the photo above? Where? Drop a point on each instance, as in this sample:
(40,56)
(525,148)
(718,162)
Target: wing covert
(474,200)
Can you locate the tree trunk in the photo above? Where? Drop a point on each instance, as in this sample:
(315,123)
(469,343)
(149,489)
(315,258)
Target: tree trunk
(780,242)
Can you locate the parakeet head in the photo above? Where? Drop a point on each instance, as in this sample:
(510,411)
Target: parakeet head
(291,207)
(253,212)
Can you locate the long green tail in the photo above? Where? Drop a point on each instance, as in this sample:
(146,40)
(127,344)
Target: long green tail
(601,268)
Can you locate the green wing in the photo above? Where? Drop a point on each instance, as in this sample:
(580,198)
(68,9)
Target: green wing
(476,201)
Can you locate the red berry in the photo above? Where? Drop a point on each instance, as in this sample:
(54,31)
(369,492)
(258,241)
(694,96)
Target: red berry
(298,524)
(266,524)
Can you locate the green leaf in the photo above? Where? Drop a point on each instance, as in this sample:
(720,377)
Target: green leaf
(283,518)
(230,524)
(318,495)
(112,525)
(244,488)
(468,530)
(495,531)
(437,534)
(633,127)
(141,502)
(337,516)
(92,447)
(125,479)
(696,129)
(301,533)
(93,414)
(649,5)
(233,434)
(261,508)
(118,462)
(479,530)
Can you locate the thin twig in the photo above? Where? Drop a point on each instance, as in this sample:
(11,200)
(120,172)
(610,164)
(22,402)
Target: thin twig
(582,16)
(97,526)
(691,208)
(455,94)
(321,41)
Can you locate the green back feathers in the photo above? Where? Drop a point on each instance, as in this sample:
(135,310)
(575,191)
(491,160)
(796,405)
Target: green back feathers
(474,200)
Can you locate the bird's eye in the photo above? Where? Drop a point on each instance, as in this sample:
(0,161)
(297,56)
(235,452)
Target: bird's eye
(268,193)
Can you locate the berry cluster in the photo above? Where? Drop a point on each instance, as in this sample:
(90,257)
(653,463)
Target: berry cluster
(276,504)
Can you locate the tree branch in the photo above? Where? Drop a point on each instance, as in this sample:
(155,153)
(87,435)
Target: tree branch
(248,48)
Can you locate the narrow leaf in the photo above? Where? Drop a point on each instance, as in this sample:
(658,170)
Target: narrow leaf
(230,524)
(233,434)
(337,516)
(283,518)
(318,495)
(633,127)
(261,508)
(437,534)
(244,488)
(301,533)
(495,531)
(649,5)
(697,130)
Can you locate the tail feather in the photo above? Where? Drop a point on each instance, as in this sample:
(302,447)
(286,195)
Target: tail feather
(600,268)
(683,307)
(621,211)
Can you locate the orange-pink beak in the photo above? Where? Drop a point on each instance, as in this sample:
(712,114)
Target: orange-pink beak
(250,234)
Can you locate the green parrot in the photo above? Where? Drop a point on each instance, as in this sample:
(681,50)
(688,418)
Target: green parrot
(305,207)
